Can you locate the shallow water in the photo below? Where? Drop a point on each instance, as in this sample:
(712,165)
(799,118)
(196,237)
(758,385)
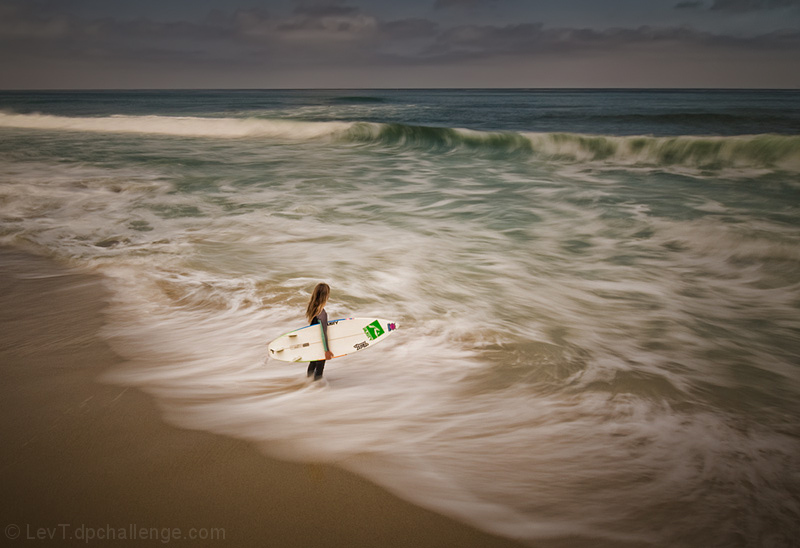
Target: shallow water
(598,292)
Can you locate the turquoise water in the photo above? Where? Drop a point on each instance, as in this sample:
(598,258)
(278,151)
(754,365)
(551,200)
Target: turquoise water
(598,291)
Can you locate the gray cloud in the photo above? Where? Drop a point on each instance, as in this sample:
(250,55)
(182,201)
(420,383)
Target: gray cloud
(688,5)
(327,36)
(447,4)
(30,21)
(329,23)
(535,38)
(409,28)
(331,29)
(743,6)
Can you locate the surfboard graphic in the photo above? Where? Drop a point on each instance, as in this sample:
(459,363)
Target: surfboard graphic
(345,336)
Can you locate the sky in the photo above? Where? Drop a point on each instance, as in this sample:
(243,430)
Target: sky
(164,44)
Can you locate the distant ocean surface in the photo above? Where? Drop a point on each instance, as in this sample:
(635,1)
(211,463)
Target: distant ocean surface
(598,292)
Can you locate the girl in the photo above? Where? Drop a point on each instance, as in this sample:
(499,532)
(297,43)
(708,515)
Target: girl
(315,314)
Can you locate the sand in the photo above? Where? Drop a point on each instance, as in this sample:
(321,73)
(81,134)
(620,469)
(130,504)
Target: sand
(86,463)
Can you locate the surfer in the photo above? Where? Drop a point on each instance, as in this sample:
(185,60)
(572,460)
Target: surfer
(315,314)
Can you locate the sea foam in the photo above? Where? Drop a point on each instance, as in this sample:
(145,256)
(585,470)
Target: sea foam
(703,152)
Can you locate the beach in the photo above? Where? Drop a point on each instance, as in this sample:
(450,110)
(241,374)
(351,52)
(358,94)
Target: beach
(90,463)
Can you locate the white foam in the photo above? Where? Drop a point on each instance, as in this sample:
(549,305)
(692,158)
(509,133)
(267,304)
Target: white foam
(752,153)
(183,126)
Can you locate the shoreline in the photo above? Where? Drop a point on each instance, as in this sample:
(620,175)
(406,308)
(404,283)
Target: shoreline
(85,459)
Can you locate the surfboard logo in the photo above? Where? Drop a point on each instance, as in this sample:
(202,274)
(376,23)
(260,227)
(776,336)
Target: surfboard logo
(374,330)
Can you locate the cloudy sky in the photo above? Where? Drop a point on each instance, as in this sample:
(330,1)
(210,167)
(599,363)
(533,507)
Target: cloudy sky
(47,44)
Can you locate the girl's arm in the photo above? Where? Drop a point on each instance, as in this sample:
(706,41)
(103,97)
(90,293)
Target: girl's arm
(323,320)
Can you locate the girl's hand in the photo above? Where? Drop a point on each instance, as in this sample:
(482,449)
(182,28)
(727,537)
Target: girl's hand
(328,355)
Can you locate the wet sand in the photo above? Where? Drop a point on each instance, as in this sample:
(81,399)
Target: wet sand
(84,459)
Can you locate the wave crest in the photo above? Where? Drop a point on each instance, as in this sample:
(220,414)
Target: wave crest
(703,152)
(707,152)
(438,138)
(755,151)
(180,126)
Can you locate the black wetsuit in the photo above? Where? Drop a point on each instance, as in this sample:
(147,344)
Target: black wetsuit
(315,368)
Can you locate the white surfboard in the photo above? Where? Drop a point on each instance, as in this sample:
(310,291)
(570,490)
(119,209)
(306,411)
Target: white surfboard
(345,336)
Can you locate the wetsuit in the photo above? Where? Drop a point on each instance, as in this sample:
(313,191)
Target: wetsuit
(315,368)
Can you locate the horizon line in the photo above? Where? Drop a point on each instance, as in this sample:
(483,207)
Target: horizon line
(435,88)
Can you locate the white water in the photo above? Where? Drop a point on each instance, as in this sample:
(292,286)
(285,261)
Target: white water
(741,152)
(183,126)
(583,355)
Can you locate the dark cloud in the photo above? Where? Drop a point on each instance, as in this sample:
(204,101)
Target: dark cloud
(446,4)
(688,5)
(409,28)
(535,38)
(336,29)
(31,22)
(332,35)
(326,10)
(329,22)
(743,6)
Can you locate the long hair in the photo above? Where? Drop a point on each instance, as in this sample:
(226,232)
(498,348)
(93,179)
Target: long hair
(317,302)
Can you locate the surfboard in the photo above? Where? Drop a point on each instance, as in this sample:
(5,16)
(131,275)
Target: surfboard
(345,336)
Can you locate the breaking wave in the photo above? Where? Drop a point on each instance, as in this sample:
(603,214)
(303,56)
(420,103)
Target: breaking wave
(708,152)
(704,152)
(179,126)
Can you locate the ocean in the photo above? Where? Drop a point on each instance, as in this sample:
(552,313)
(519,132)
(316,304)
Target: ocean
(598,291)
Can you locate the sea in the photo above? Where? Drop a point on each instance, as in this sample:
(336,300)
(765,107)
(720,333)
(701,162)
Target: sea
(597,291)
